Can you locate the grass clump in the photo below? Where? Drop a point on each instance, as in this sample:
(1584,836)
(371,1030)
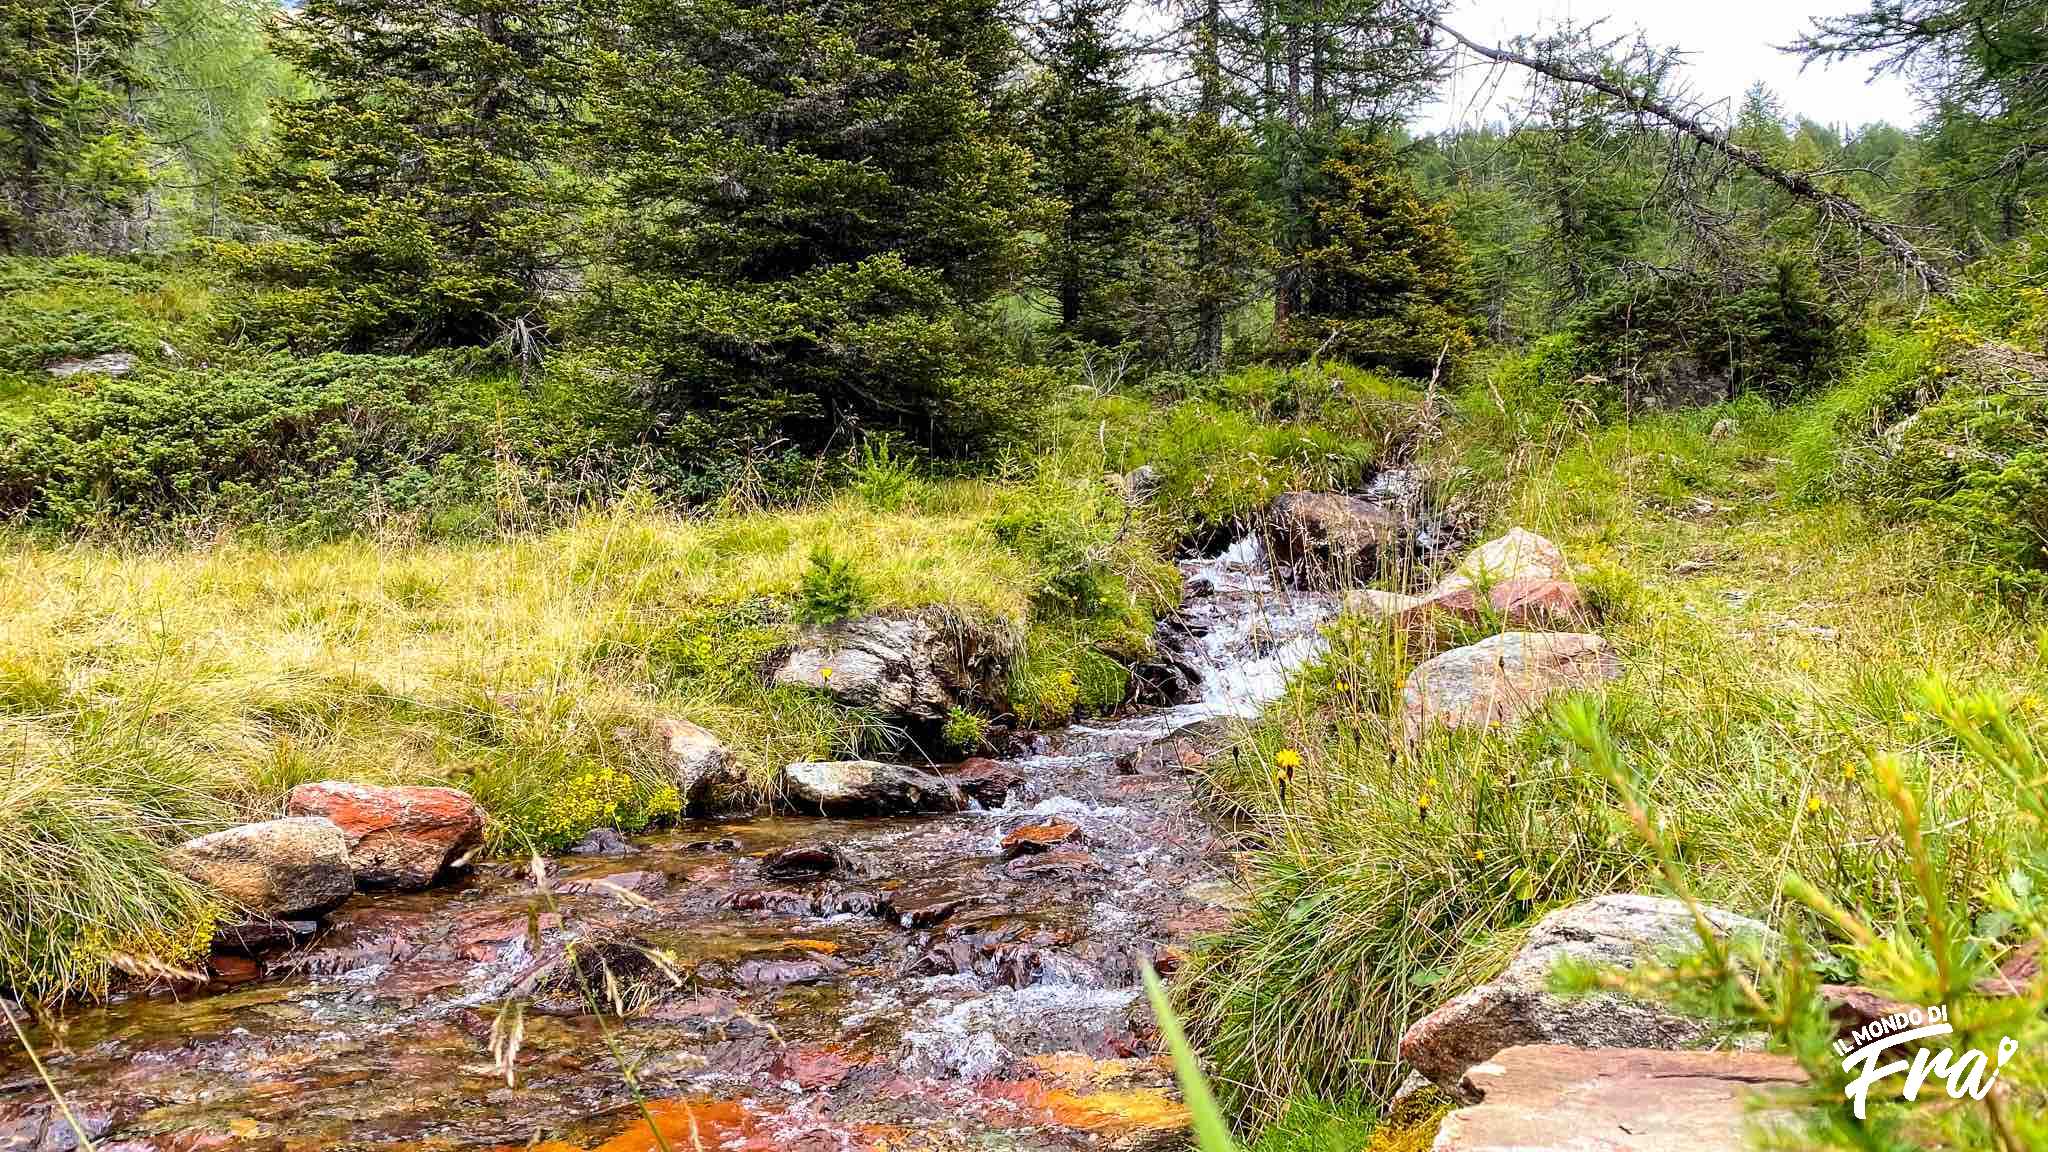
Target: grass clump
(1767,641)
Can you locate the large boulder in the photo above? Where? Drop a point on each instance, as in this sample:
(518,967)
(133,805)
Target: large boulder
(1553,1099)
(1501,679)
(913,667)
(1519,555)
(1519,580)
(707,776)
(404,837)
(1519,1008)
(868,788)
(286,869)
(1333,535)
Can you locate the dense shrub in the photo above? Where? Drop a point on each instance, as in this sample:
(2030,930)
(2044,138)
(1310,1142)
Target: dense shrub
(85,306)
(320,446)
(1678,339)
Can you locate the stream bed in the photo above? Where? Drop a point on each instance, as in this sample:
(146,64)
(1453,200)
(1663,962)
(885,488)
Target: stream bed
(923,993)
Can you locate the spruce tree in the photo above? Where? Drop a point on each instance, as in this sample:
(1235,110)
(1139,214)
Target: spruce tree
(420,181)
(812,203)
(1385,281)
(1084,136)
(71,155)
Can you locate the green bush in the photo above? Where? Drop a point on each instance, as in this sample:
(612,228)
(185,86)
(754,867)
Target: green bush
(319,447)
(963,732)
(1676,339)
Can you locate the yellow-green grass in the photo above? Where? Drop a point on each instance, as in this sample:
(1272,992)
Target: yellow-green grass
(1769,646)
(159,694)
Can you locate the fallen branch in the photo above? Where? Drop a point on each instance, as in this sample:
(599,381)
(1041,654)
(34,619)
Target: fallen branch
(1799,184)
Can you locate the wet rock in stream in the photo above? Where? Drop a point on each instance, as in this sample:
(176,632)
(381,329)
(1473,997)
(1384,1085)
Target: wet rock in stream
(868,787)
(803,861)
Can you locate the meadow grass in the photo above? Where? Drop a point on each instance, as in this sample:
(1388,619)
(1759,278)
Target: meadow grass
(1769,643)
(147,695)
(154,691)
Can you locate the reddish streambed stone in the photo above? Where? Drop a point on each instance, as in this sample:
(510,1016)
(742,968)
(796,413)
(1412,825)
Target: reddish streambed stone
(787,982)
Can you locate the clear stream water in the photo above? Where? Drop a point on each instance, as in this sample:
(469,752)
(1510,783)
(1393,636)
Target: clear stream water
(927,994)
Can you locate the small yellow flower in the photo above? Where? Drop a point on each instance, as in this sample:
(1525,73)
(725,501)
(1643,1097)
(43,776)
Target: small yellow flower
(1479,856)
(825,674)
(1343,685)
(1911,717)
(1849,773)
(1287,758)
(1813,804)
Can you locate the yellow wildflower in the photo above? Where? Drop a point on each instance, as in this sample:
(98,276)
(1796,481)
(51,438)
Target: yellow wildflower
(1813,804)
(1287,758)
(1479,855)
(825,674)
(1849,773)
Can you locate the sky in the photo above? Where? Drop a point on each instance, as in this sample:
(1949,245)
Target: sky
(1730,45)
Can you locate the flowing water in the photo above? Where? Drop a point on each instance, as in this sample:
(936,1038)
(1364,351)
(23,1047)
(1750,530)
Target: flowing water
(926,993)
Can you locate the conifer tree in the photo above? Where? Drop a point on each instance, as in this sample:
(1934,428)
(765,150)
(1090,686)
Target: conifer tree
(1384,277)
(71,155)
(420,180)
(813,201)
(1084,136)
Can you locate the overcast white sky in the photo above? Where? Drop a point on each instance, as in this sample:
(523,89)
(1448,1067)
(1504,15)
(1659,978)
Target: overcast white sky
(1730,45)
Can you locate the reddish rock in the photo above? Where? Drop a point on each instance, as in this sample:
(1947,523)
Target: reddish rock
(485,938)
(398,837)
(1546,1098)
(233,969)
(1526,603)
(811,1068)
(987,782)
(1034,838)
(2017,975)
(1852,1007)
(925,911)
(800,861)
